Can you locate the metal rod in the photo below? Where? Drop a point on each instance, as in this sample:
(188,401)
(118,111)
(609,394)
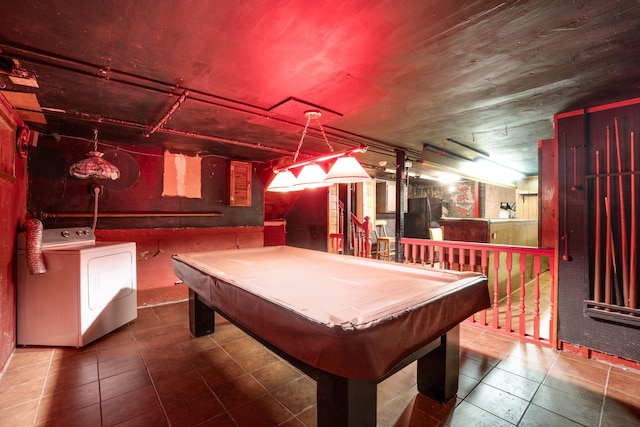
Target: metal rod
(607,269)
(597,261)
(609,255)
(633,261)
(468,147)
(168,114)
(575,185)
(565,235)
(623,225)
(45,215)
(360,149)
(438,150)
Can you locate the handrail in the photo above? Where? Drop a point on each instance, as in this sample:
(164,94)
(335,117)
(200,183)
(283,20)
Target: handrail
(360,233)
(361,236)
(503,265)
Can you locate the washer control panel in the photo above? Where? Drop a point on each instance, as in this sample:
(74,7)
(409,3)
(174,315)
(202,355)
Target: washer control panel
(78,235)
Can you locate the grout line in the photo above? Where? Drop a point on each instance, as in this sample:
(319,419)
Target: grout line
(604,396)
(146,367)
(44,385)
(99,378)
(530,401)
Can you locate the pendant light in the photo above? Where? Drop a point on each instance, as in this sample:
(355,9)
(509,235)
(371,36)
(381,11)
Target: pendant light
(311,176)
(345,170)
(283,182)
(94,166)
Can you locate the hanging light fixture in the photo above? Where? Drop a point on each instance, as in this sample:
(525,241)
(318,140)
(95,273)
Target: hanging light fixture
(311,176)
(94,166)
(345,170)
(283,182)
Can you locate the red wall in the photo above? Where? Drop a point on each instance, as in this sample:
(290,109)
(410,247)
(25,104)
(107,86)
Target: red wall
(13,194)
(127,212)
(154,247)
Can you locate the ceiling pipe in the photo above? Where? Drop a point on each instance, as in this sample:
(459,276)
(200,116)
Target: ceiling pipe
(145,83)
(135,125)
(168,114)
(444,152)
(47,215)
(107,73)
(468,147)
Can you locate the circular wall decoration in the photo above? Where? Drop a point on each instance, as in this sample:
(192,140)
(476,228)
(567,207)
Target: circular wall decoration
(22,141)
(128,167)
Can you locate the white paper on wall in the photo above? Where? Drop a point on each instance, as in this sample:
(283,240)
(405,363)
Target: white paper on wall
(182,176)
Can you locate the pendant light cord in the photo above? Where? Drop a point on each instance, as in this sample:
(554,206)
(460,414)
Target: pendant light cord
(95,140)
(311,115)
(96,194)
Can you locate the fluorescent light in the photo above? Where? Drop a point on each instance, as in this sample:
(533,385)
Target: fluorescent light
(492,171)
(448,178)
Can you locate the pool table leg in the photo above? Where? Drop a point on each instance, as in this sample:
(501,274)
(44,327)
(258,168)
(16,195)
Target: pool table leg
(344,402)
(438,370)
(201,316)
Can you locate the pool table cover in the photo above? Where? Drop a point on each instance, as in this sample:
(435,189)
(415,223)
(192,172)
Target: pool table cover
(349,316)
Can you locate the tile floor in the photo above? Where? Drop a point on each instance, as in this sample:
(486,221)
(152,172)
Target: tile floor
(151,372)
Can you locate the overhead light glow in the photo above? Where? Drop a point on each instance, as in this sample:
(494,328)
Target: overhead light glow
(311,176)
(495,172)
(448,178)
(347,169)
(283,182)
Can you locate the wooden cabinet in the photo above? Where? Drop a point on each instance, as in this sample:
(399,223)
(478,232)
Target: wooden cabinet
(240,183)
(497,231)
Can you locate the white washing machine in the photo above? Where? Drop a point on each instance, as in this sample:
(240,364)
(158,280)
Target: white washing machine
(87,291)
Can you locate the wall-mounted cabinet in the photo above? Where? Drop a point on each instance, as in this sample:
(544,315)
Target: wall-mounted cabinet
(240,183)
(386,197)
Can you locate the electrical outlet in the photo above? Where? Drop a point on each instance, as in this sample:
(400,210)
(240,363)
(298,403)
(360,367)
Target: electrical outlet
(96,189)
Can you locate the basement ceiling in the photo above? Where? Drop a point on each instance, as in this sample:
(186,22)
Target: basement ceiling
(449,82)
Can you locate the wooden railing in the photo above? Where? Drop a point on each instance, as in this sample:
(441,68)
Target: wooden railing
(521,282)
(360,235)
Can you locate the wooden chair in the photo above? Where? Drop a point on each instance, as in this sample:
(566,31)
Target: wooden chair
(435,234)
(384,249)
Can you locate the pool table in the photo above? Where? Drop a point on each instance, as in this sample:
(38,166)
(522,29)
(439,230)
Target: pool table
(347,322)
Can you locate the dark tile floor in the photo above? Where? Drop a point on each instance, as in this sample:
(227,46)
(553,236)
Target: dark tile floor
(151,372)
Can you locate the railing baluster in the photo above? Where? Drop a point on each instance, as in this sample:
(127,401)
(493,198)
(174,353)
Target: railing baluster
(523,308)
(508,308)
(536,300)
(451,252)
(496,289)
(472,259)
(552,300)
(485,271)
